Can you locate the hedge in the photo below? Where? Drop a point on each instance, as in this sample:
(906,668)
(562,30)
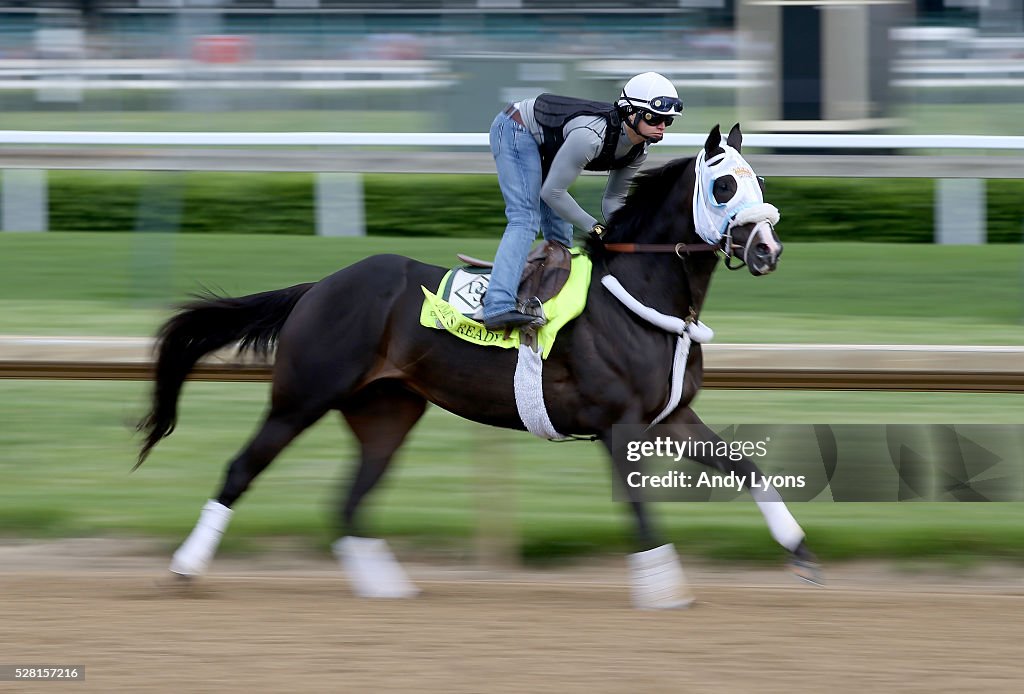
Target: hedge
(471,206)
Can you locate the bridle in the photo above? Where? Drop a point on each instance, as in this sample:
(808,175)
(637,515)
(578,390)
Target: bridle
(726,244)
(754,213)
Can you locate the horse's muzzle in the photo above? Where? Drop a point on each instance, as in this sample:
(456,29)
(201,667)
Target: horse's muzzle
(763,250)
(763,261)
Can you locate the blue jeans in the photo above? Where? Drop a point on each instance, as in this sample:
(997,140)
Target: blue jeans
(517,158)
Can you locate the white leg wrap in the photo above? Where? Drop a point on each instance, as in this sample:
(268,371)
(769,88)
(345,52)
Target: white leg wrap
(371,568)
(658,580)
(784,528)
(194,555)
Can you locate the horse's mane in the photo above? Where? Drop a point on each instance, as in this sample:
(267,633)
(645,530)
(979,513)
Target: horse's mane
(637,215)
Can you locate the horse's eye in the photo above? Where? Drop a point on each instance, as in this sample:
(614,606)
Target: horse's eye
(723,188)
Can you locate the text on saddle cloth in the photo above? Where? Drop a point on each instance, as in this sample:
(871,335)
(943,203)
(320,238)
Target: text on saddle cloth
(461,290)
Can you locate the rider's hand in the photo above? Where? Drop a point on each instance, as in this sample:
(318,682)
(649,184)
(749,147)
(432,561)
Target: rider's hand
(597,232)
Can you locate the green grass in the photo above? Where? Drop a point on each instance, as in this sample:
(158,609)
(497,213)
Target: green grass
(66,447)
(122,284)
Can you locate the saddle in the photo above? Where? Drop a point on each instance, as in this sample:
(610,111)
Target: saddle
(554,288)
(545,273)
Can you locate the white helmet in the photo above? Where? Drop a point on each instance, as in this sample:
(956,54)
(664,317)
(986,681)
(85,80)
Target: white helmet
(652,93)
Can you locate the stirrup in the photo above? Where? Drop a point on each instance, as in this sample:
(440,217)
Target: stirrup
(534,307)
(510,320)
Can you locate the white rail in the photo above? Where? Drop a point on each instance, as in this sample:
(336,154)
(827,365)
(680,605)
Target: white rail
(458,140)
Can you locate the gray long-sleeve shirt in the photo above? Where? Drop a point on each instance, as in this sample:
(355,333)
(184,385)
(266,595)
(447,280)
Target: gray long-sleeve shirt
(584,139)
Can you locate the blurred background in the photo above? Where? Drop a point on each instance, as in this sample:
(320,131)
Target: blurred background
(446,64)
(113,210)
(904,254)
(907,242)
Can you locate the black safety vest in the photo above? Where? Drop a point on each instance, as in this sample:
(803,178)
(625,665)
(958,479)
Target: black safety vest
(552,112)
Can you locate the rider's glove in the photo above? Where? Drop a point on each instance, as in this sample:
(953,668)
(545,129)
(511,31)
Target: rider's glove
(597,232)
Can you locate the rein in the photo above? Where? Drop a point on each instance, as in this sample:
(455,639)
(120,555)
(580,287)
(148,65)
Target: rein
(681,249)
(677,248)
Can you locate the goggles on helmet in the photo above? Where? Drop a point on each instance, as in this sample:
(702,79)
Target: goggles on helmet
(665,105)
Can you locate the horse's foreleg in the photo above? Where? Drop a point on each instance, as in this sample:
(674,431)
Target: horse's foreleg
(781,523)
(657,577)
(380,417)
(646,537)
(278,430)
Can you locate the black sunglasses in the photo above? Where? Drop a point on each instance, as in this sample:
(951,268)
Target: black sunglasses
(657,119)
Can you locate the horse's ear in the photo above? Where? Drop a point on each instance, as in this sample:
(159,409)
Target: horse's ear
(735,139)
(713,142)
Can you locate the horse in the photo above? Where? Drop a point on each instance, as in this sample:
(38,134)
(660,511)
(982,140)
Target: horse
(352,342)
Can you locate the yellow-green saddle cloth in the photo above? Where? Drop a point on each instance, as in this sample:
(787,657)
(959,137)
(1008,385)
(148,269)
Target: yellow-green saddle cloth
(461,289)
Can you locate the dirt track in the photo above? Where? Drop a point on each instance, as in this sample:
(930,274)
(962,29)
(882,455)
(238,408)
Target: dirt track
(253,627)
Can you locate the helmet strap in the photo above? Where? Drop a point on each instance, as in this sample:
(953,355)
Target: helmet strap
(634,123)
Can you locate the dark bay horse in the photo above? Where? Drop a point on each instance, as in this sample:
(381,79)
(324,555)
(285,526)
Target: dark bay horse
(352,342)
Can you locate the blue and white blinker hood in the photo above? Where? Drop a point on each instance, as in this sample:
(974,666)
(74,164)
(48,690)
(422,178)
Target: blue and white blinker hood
(712,218)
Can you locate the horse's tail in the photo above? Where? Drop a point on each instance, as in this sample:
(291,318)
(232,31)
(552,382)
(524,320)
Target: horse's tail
(200,327)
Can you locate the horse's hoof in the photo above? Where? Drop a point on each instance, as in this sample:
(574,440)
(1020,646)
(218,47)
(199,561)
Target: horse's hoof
(807,571)
(804,565)
(372,569)
(179,583)
(175,584)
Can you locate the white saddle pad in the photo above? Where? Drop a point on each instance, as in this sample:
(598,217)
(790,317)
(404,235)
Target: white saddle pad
(466,289)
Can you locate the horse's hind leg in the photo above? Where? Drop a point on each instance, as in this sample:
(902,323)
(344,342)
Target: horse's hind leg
(279,428)
(380,416)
